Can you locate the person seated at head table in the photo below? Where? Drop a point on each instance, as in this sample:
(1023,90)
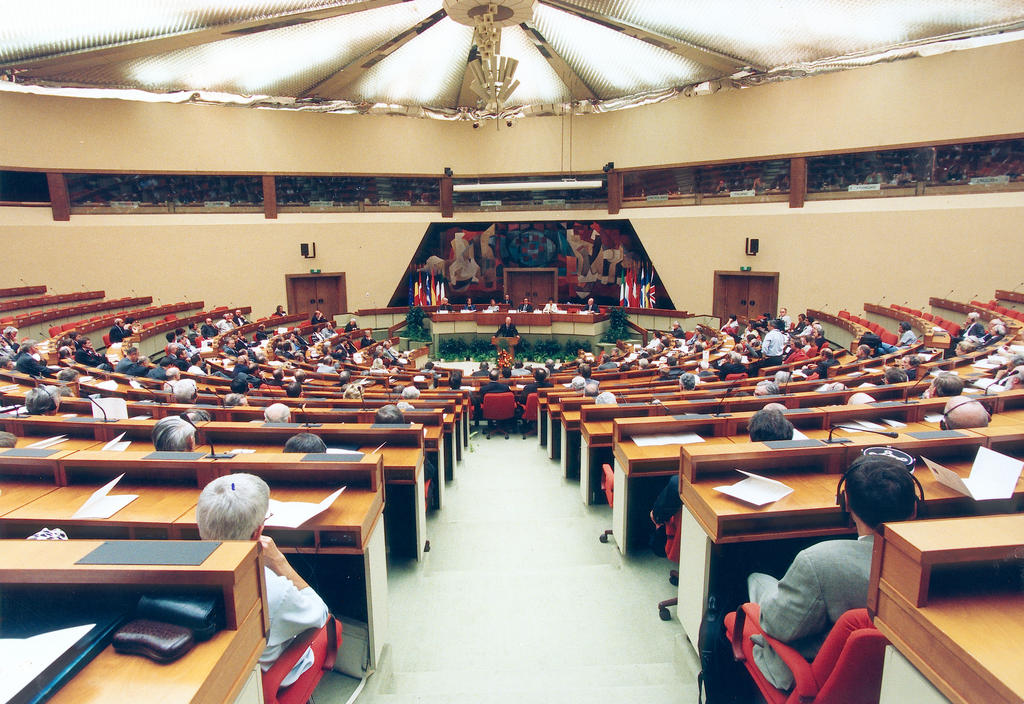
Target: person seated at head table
(591,307)
(469,307)
(552,307)
(830,578)
(525,306)
(42,401)
(305,443)
(173,434)
(235,507)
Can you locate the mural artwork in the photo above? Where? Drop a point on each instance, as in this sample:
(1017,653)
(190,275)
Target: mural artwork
(592,259)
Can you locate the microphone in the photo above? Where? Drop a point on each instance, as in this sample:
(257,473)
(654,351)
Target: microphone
(307,424)
(836,426)
(718,411)
(213,452)
(94,398)
(924,378)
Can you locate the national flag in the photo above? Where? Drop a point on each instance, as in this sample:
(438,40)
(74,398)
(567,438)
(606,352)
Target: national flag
(634,301)
(412,292)
(623,295)
(442,294)
(431,298)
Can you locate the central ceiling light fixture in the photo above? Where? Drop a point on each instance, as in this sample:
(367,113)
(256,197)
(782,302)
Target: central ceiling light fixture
(493,74)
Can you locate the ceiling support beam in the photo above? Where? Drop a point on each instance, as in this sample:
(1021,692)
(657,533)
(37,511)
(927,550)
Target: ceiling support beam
(576,85)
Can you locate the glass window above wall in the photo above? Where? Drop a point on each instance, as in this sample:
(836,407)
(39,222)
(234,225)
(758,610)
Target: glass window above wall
(166,192)
(676,185)
(892,169)
(356,192)
(752,178)
(23,187)
(980,164)
(535,192)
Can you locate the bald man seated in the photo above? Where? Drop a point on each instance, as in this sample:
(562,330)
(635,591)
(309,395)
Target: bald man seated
(964,412)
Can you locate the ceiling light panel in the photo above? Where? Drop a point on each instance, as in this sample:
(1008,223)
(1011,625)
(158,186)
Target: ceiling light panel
(610,63)
(428,70)
(538,81)
(283,61)
(776,34)
(38,28)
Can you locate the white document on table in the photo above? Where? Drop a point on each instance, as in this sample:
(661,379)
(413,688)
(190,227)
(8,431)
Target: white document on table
(113,408)
(667,439)
(934,417)
(108,385)
(984,383)
(242,451)
(134,384)
(9,387)
(24,659)
(118,444)
(102,505)
(894,423)
(48,442)
(755,489)
(292,514)
(993,475)
(797,435)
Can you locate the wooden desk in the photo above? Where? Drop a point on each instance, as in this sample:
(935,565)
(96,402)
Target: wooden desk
(962,635)
(214,671)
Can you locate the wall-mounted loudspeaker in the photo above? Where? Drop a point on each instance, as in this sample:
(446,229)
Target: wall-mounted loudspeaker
(752,245)
(308,250)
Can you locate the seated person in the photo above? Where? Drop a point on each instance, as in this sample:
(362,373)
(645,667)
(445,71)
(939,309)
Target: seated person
(444,306)
(907,336)
(469,307)
(173,434)
(730,364)
(507,329)
(305,443)
(552,307)
(234,508)
(367,339)
(279,311)
(277,413)
(351,325)
(42,401)
(945,384)
(525,306)
(964,412)
(29,360)
(830,578)
(7,440)
(317,318)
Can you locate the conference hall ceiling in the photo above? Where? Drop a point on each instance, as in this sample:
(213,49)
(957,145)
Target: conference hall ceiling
(428,57)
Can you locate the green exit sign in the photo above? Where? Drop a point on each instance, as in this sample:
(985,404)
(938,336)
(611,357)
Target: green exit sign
(314,271)
(744,268)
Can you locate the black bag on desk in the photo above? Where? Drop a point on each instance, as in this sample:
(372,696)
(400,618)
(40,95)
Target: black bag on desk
(720,680)
(197,613)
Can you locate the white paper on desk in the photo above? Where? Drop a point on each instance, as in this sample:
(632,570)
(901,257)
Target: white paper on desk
(797,435)
(108,385)
(115,408)
(925,357)
(855,374)
(984,383)
(68,415)
(24,659)
(100,505)
(936,372)
(49,442)
(993,475)
(985,365)
(134,384)
(934,417)
(9,387)
(869,425)
(242,451)
(116,445)
(292,514)
(894,423)
(756,490)
(467,388)
(667,439)
(355,454)
(866,384)
(1019,349)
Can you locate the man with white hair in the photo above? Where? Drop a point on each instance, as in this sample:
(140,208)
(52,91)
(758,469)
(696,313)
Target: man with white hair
(173,434)
(30,361)
(766,388)
(577,383)
(172,376)
(277,413)
(410,392)
(677,330)
(234,508)
(185,391)
(605,398)
(9,341)
(973,327)
(42,401)
(225,324)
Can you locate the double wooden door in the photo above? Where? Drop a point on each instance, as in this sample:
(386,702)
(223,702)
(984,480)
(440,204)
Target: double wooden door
(536,284)
(323,292)
(745,294)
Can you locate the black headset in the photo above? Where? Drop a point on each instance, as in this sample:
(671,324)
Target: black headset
(841,494)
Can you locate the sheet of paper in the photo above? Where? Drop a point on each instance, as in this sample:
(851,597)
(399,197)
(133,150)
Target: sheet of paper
(869,425)
(48,442)
(667,439)
(134,384)
(292,514)
(756,490)
(242,451)
(9,387)
(797,435)
(855,374)
(866,384)
(116,445)
(894,423)
(934,417)
(984,383)
(24,659)
(108,385)
(993,475)
(102,505)
(114,408)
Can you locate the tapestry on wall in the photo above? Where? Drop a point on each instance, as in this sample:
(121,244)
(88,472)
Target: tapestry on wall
(600,259)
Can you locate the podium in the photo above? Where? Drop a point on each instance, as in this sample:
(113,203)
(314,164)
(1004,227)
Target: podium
(506,347)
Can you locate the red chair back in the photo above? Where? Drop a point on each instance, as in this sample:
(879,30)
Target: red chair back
(530,409)
(740,375)
(672,538)
(324,642)
(608,483)
(499,406)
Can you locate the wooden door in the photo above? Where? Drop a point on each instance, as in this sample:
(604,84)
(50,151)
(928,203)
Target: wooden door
(309,292)
(745,294)
(536,284)
(762,295)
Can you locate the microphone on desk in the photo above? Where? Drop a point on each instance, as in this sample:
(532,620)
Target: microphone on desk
(94,398)
(837,426)
(718,411)
(213,452)
(924,378)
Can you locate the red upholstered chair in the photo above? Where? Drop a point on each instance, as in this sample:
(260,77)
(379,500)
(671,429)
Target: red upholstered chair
(54,330)
(529,414)
(608,487)
(324,642)
(740,375)
(847,670)
(672,553)
(106,339)
(889,338)
(498,410)
(845,314)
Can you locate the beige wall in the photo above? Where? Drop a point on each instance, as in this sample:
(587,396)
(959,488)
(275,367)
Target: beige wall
(830,253)
(958,95)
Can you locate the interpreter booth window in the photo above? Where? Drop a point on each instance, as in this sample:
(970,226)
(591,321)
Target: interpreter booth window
(677,185)
(878,171)
(170,191)
(980,164)
(752,178)
(356,192)
(535,192)
(23,187)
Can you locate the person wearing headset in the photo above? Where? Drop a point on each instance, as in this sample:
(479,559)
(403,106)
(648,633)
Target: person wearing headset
(831,577)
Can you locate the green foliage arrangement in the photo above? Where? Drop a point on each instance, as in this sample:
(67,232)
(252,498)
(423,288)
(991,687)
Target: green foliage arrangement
(547,348)
(617,328)
(414,329)
(573,346)
(452,348)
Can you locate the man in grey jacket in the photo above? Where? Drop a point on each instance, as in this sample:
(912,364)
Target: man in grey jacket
(830,578)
